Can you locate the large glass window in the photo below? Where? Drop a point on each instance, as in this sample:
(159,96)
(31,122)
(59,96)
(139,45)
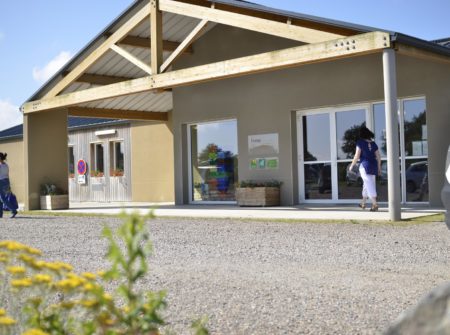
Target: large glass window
(214,158)
(416,150)
(116,155)
(97,168)
(325,172)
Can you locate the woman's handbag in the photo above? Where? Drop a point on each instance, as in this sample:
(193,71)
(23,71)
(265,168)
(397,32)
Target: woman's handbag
(11,198)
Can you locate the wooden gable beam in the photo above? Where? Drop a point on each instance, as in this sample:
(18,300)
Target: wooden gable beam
(285,30)
(143,42)
(156,41)
(97,79)
(117,114)
(131,58)
(269,61)
(100,51)
(184,45)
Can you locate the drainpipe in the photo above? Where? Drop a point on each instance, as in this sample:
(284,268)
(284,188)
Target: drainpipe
(390,100)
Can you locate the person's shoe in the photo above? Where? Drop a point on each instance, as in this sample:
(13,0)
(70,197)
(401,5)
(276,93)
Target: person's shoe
(13,215)
(374,208)
(362,205)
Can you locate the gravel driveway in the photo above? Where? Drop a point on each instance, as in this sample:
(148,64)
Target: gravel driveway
(266,277)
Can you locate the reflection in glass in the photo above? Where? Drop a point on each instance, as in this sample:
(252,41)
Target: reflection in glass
(379,118)
(347,131)
(116,155)
(415,127)
(349,183)
(316,137)
(214,161)
(318,181)
(71,163)
(416,180)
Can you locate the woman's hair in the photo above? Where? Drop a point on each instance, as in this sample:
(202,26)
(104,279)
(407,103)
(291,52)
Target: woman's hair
(3,156)
(365,133)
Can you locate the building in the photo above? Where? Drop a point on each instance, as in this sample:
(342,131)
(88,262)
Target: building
(107,147)
(256,93)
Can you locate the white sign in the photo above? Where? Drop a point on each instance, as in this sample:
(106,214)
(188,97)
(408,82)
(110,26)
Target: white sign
(81,179)
(263,145)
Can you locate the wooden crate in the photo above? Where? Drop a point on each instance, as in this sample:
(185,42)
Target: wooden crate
(258,196)
(55,201)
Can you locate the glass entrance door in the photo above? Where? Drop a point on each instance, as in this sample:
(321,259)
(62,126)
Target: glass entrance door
(328,138)
(214,158)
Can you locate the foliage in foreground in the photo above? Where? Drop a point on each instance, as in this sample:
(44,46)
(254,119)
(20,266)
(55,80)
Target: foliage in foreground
(38,297)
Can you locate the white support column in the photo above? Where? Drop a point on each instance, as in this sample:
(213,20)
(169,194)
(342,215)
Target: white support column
(390,99)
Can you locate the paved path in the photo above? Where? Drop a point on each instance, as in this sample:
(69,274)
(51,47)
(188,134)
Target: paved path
(266,277)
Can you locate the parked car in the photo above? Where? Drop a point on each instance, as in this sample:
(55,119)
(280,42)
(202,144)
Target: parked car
(416,176)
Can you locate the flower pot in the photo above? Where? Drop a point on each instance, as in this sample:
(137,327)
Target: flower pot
(55,201)
(258,196)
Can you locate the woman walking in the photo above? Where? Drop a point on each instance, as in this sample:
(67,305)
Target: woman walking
(370,166)
(5,187)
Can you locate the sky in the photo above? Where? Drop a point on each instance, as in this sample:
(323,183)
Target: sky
(37,37)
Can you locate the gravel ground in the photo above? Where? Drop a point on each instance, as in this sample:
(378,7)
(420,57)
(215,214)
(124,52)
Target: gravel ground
(266,277)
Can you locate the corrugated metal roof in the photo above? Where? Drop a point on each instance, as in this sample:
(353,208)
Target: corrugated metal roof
(73,123)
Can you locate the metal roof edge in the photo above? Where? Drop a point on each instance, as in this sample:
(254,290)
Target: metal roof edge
(72,128)
(421,44)
(297,15)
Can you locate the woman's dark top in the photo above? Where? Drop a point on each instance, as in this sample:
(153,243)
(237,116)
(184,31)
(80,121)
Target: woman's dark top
(368,159)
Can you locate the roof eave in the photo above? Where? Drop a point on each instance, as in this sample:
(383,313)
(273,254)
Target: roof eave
(420,44)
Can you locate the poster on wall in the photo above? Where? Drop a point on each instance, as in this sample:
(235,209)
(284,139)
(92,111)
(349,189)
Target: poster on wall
(263,145)
(264,163)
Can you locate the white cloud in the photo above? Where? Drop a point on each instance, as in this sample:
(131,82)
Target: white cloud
(9,115)
(43,74)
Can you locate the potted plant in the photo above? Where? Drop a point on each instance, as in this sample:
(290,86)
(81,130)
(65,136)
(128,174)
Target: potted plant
(53,197)
(258,193)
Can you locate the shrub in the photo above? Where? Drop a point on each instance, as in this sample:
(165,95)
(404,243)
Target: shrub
(44,297)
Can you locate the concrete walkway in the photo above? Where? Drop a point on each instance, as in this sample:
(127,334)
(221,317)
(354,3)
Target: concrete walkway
(301,212)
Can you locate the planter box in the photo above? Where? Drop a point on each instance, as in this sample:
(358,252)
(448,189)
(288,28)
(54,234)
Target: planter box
(258,196)
(55,201)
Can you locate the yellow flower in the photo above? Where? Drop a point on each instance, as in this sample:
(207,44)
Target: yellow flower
(42,278)
(12,245)
(69,283)
(16,270)
(2,312)
(34,331)
(33,251)
(25,282)
(6,321)
(89,275)
(88,287)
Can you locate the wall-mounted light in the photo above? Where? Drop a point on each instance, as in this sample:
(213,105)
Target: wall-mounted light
(105,132)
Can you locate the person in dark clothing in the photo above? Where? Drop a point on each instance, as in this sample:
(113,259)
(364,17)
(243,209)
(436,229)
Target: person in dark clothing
(5,187)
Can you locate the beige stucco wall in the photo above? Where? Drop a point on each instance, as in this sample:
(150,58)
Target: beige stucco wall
(152,164)
(263,103)
(45,149)
(15,159)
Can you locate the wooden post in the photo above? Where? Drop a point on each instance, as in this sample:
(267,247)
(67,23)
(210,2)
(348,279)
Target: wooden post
(156,42)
